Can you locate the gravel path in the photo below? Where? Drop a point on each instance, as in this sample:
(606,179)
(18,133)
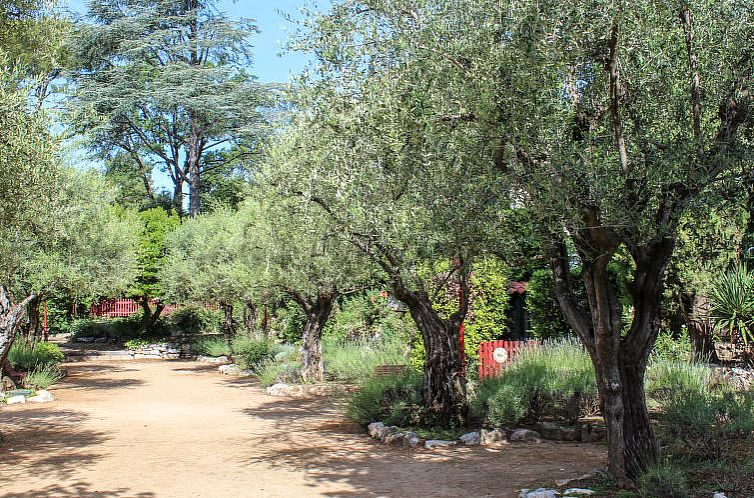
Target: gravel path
(179,429)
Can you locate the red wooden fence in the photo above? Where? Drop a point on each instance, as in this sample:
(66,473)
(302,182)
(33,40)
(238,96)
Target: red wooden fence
(124,307)
(489,365)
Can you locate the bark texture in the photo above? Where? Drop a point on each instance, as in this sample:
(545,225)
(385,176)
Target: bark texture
(229,325)
(444,384)
(150,317)
(317,312)
(11,316)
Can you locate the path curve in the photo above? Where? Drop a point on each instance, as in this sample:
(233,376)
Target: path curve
(179,429)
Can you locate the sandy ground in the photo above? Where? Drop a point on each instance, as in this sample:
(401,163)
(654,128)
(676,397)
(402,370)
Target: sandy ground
(179,429)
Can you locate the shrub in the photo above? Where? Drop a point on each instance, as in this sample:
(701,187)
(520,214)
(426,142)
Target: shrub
(664,481)
(42,376)
(193,320)
(250,352)
(545,317)
(26,355)
(211,346)
(111,328)
(700,416)
(732,303)
(669,347)
(133,344)
(556,380)
(394,400)
(354,360)
(272,372)
(366,316)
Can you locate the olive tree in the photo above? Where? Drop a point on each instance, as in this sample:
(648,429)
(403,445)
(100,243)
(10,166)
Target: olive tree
(302,255)
(206,263)
(605,119)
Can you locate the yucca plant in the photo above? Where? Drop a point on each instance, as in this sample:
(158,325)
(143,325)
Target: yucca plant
(732,303)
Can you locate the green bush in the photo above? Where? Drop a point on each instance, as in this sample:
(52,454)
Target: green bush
(664,481)
(669,347)
(367,317)
(394,400)
(211,346)
(26,356)
(555,380)
(42,376)
(114,328)
(194,320)
(288,323)
(545,316)
(250,352)
(133,344)
(700,416)
(354,360)
(272,372)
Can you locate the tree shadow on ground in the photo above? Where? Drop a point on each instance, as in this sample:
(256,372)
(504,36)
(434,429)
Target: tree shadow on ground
(312,437)
(47,442)
(79,489)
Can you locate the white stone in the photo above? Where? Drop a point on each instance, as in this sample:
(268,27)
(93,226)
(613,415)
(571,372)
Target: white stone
(539,493)
(212,359)
(719,495)
(495,436)
(411,439)
(471,439)
(231,369)
(16,399)
(434,443)
(578,492)
(375,429)
(525,436)
(42,397)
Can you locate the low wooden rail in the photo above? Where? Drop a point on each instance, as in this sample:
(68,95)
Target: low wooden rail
(389,370)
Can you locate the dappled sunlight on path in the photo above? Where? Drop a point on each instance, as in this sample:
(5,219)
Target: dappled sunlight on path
(179,429)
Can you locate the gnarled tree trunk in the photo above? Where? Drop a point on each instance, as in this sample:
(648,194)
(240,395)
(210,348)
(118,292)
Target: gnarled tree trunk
(229,325)
(444,384)
(700,327)
(619,359)
(11,316)
(149,318)
(317,312)
(250,316)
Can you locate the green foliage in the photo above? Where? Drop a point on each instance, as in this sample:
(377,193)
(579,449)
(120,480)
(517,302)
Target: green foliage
(732,303)
(394,400)
(210,260)
(664,481)
(545,316)
(156,225)
(669,348)
(193,320)
(554,380)
(354,360)
(272,372)
(367,316)
(27,356)
(211,346)
(489,302)
(250,352)
(136,70)
(122,329)
(134,344)
(42,376)
(288,322)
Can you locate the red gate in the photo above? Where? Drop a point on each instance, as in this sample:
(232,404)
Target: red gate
(494,355)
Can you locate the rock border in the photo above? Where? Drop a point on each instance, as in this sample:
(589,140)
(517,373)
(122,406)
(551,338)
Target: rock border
(12,398)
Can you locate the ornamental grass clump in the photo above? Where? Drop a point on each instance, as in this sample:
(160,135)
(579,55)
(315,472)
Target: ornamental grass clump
(555,381)
(42,377)
(393,399)
(25,355)
(355,360)
(211,346)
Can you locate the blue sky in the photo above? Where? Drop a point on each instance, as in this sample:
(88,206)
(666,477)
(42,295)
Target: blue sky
(272,64)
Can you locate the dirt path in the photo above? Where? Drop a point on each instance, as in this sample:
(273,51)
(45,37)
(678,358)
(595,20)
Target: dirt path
(179,429)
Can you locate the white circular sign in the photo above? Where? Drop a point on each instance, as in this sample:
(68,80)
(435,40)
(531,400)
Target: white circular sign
(500,355)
